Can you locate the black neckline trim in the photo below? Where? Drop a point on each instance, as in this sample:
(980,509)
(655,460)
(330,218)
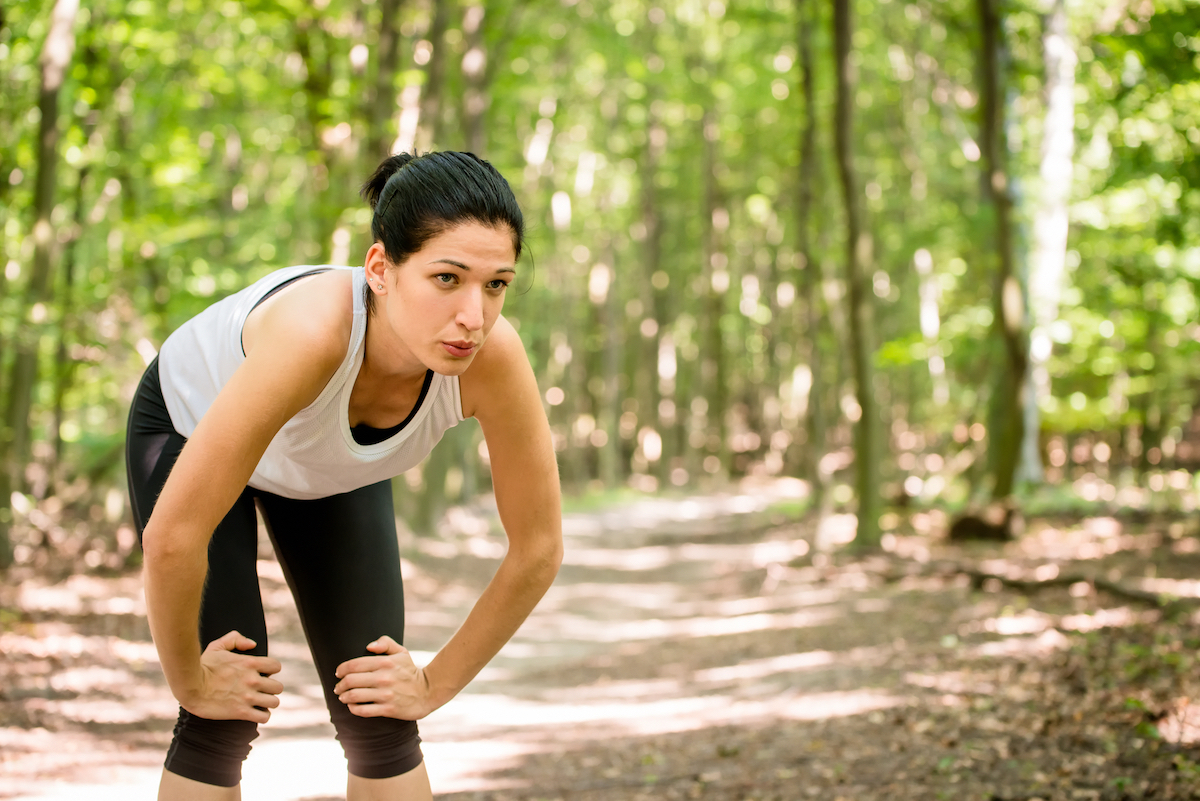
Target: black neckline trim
(364,434)
(274,290)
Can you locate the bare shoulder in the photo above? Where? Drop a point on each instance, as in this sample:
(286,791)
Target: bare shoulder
(500,370)
(314,316)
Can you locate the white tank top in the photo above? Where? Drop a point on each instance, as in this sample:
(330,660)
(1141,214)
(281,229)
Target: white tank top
(314,455)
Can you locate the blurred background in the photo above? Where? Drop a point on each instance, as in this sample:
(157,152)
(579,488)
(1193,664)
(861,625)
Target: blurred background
(921,256)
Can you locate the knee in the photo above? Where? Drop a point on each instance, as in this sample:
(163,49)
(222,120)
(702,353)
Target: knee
(378,748)
(210,751)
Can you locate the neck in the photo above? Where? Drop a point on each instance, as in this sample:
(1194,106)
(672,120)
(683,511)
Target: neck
(386,358)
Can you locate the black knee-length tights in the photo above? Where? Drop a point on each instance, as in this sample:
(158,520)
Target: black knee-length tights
(342,562)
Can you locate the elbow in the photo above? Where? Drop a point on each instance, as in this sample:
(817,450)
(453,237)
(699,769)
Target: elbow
(167,551)
(554,558)
(541,559)
(549,557)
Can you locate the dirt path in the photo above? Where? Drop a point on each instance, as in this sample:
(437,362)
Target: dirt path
(690,649)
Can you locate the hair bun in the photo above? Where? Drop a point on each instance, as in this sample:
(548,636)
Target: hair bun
(372,189)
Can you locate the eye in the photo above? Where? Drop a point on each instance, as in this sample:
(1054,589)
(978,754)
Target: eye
(445,278)
(497,285)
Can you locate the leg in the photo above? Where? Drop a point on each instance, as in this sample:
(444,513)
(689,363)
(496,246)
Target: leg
(172,786)
(342,562)
(212,751)
(203,752)
(411,786)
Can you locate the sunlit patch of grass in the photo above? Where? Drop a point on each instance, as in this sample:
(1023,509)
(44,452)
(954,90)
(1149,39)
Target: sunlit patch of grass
(9,618)
(591,500)
(789,507)
(1060,499)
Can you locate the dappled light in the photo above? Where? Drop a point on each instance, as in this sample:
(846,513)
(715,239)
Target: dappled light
(666,651)
(866,335)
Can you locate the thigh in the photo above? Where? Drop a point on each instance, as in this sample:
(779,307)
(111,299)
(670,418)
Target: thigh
(342,561)
(231,598)
(232,601)
(151,446)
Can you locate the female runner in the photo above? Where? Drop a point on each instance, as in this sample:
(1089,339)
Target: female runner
(304,394)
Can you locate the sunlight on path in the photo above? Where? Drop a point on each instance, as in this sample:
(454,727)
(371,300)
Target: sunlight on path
(643,716)
(653,513)
(658,572)
(674,625)
(124,785)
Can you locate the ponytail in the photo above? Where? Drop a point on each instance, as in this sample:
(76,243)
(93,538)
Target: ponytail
(372,189)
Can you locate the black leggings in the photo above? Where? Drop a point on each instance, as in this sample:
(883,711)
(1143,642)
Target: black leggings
(342,562)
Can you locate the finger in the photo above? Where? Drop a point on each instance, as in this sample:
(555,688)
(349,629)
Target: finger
(385,645)
(233,641)
(368,710)
(265,701)
(243,643)
(362,664)
(257,715)
(357,680)
(365,695)
(271,686)
(265,665)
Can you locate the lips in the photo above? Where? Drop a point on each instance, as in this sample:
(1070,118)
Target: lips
(461,349)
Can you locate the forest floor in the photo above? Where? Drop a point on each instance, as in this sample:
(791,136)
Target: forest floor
(694,648)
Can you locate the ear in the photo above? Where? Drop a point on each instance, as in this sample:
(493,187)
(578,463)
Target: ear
(376,268)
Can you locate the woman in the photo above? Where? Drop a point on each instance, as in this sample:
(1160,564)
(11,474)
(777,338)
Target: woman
(305,393)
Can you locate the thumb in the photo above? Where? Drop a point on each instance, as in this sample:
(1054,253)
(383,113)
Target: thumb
(233,641)
(385,645)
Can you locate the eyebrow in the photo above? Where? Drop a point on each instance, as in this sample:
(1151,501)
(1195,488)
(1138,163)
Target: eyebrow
(462,266)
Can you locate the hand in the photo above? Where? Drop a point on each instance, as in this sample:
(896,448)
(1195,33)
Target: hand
(389,685)
(234,686)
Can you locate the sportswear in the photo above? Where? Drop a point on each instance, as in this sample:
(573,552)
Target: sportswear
(342,561)
(315,454)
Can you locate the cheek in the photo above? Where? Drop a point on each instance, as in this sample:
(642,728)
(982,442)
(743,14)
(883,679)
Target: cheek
(493,310)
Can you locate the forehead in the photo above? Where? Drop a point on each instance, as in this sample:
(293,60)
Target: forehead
(488,243)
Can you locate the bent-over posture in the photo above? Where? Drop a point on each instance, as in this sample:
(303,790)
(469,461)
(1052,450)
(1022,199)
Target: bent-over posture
(304,394)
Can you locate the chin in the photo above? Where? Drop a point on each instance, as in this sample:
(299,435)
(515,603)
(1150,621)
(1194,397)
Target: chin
(449,366)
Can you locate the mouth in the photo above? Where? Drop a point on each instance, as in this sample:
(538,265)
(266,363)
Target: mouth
(461,348)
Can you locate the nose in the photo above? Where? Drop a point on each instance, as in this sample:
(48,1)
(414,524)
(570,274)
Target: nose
(470,311)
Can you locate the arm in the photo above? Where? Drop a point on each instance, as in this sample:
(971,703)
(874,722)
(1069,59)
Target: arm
(501,392)
(296,350)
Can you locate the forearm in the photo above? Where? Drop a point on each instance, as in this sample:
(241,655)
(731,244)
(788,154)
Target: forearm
(174,584)
(519,583)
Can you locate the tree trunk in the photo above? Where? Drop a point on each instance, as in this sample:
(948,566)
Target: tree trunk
(1048,261)
(653,300)
(5,188)
(429,129)
(1007,408)
(64,365)
(930,292)
(929,286)
(1149,408)
(608,419)
(15,433)
(715,364)
(867,451)
(810,277)
(474,70)
(383,100)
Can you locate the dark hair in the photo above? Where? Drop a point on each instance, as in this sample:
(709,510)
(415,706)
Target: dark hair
(417,197)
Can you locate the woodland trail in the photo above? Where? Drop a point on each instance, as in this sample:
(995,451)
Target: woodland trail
(691,648)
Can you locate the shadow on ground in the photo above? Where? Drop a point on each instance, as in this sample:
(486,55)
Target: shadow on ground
(698,648)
